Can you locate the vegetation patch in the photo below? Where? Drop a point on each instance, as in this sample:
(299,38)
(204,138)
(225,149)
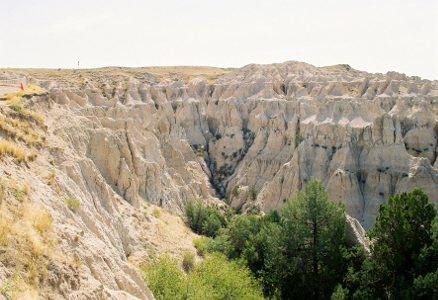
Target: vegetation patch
(72,204)
(301,254)
(52,176)
(299,138)
(156,212)
(214,278)
(17,97)
(253,192)
(203,219)
(236,190)
(188,261)
(11,148)
(200,246)
(25,246)
(20,129)
(16,106)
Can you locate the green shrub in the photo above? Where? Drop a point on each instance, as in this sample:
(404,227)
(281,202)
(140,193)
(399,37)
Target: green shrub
(72,204)
(236,190)
(221,244)
(203,219)
(212,223)
(16,106)
(156,212)
(227,280)
(200,246)
(165,278)
(253,192)
(188,261)
(215,278)
(299,138)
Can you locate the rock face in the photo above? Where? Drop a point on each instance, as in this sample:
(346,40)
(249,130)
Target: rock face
(365,136)
(121,141)
(355,234)
(91,243)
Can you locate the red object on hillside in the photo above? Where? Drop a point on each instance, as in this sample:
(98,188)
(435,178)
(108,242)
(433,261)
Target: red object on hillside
(22,88)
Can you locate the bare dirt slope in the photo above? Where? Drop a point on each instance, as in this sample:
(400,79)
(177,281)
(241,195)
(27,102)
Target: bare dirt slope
(65,231)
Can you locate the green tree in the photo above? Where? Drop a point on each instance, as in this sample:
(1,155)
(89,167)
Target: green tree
(314,239)
(300,253)
(339,293)
(401,248)
(240,228)
(426,285)
(272,254)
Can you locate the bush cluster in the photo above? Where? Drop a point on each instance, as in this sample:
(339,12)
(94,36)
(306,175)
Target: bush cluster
(301,254)
(203,219)
(214,278)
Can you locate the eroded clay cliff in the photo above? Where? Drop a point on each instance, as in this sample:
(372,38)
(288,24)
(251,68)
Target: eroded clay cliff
(365,136)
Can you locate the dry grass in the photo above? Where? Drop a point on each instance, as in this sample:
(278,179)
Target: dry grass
(25,243)
(18,96)
(52,176)
(187,73)
(33,115)
(13,99)
(32,154)
(26,188)
(9,147)
(169,233)
(113,75)
(15,128)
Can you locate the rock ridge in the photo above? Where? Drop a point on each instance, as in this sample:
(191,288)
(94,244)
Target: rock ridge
(366,136)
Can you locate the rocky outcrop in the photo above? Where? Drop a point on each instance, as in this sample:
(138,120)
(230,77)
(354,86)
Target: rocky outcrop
(91,242)
(366,136)
(355,234)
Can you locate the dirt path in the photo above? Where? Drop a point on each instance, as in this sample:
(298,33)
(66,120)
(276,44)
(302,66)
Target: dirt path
(8,89)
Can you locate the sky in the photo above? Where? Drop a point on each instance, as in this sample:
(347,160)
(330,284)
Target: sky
(369,35)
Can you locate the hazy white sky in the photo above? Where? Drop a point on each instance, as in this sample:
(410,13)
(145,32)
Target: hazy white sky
(369,35)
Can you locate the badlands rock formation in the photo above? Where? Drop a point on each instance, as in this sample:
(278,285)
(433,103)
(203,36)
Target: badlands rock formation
(119,137)
(365,136)
(90,244)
